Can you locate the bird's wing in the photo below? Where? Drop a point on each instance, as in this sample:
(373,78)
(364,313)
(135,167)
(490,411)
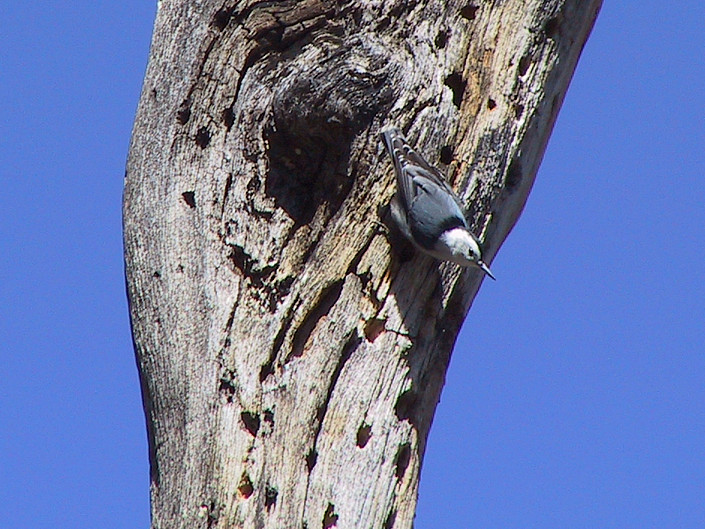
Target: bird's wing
(413,172)
(432,212)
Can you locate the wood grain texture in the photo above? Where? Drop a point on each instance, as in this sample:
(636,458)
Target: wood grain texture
(291,352)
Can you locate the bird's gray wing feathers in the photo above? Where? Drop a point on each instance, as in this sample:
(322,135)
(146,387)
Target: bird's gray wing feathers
(410,166)
(432,212)
(428,202)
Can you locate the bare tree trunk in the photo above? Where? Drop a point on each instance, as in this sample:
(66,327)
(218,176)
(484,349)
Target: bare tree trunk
(291,358)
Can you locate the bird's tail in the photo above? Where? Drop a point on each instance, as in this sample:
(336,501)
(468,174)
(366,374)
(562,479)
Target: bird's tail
(394,141)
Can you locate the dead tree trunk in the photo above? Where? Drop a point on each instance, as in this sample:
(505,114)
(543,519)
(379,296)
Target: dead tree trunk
(291,358)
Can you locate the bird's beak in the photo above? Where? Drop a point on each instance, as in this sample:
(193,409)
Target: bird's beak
(486,269)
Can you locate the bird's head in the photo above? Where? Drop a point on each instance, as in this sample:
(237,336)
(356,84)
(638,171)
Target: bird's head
(465,249)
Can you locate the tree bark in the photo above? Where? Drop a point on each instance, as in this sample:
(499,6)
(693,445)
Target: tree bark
(291,352)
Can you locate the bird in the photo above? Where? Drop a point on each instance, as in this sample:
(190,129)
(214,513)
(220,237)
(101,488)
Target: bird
(426,210)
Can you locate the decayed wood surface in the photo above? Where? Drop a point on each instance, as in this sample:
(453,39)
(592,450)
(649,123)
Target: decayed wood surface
(291,352)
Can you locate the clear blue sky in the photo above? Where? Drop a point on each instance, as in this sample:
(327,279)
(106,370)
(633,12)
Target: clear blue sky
(576,393)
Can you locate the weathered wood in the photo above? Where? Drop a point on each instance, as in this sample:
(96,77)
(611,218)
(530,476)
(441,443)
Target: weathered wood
(291,358)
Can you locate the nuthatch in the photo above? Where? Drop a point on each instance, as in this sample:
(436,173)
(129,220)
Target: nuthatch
(427,210)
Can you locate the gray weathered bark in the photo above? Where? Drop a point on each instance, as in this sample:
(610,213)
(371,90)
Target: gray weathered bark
(291,358)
